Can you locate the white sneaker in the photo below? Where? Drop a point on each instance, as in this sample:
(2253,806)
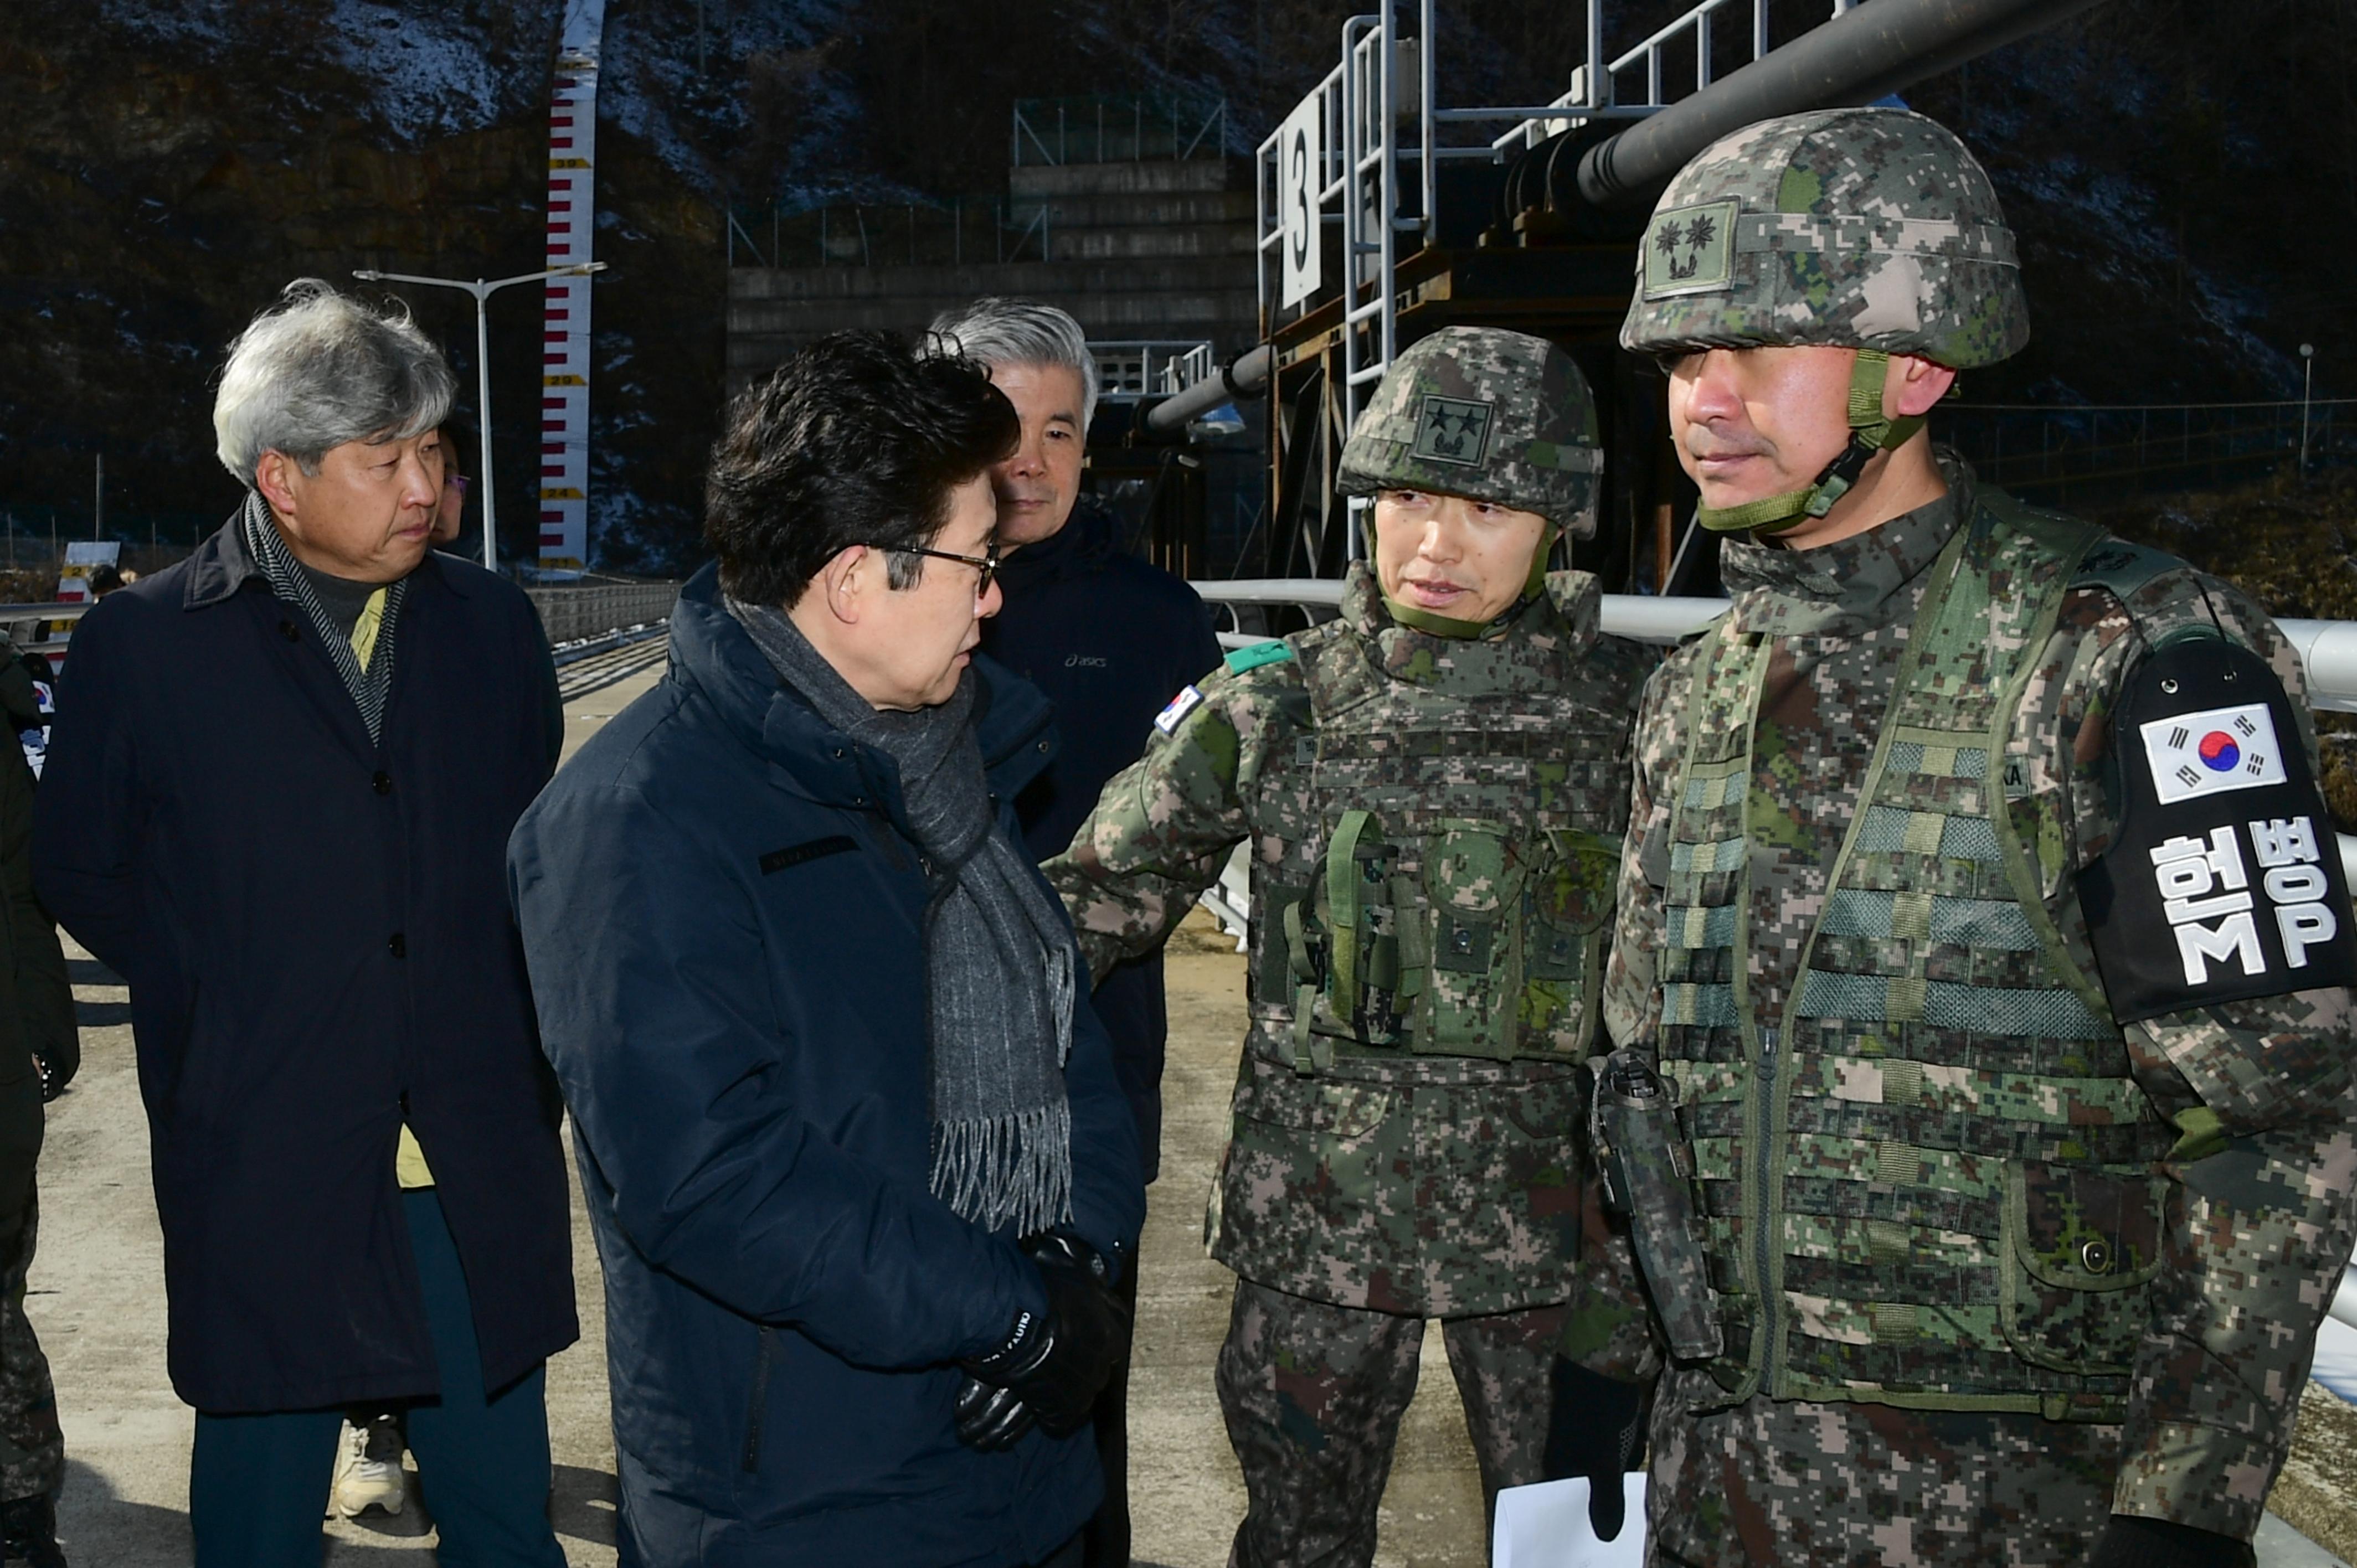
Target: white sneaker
(368,1470)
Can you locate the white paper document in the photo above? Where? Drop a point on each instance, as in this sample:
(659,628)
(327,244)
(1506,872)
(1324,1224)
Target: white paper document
(1546,1526)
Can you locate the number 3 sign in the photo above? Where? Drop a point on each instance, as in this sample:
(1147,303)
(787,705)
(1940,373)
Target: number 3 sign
(1300,176)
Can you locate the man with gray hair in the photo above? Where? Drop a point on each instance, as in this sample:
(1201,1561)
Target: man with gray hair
(278,805)
(1109,637)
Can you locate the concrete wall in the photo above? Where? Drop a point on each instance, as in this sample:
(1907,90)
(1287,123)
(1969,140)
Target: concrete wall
(1136,251)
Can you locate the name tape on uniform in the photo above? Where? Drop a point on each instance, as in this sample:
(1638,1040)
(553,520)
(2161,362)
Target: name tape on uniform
(1169,720)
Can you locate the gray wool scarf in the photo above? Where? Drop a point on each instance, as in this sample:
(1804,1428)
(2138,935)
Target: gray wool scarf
(998,951)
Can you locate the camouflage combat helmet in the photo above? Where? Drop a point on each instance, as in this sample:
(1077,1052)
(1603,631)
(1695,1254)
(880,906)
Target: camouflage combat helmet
(1866,229)
(1492,415)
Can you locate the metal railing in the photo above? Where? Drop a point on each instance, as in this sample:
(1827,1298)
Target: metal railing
(2327,648)
(1376,111)
(869,234)
(1598,95)
(1142,368)
(573,612)
(1118,128)
(1197,364)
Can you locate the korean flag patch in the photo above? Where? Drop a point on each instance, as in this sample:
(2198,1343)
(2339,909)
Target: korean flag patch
(1169,720)
(2223,882)
(2213,751)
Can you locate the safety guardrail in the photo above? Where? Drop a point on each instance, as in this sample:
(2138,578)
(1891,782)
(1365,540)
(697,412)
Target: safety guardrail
(568,614)
(591,609)
(2328,649)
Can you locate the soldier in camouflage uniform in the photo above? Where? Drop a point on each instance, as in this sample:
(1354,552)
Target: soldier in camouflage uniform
(1983,914)
(40,1050)
(1433,788)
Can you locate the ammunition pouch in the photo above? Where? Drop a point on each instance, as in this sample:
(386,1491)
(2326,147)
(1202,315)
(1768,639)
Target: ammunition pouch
(1486,943)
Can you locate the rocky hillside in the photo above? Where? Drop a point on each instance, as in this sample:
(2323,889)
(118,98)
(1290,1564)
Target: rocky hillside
(2181,173)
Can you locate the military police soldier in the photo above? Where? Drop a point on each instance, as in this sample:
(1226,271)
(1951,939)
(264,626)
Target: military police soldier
(1434,787)
(1981,912)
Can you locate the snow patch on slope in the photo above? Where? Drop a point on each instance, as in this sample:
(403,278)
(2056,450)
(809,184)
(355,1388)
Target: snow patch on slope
(434,81)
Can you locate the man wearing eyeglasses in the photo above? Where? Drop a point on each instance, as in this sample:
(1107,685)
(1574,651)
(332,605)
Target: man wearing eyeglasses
(861,1175)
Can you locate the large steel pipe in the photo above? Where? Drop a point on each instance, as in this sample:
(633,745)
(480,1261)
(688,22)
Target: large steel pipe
(1862,55)
(1242,376)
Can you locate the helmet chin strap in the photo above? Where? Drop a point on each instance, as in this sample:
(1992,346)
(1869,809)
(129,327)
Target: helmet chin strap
(1870,432)
(1443,626)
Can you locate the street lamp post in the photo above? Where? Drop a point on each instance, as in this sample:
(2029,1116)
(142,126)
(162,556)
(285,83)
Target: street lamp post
(483,292)
(2307,395)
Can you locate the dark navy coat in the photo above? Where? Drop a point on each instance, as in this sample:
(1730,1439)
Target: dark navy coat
(1110,639)
(316,933)
(722,905)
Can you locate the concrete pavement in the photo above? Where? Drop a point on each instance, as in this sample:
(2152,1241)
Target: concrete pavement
(97,1301)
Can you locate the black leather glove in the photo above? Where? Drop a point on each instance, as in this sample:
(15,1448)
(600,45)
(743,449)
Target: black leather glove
(2131,1540)
(1053,1363)
(1593,1431)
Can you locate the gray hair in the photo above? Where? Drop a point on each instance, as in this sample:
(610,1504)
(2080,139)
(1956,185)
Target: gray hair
(994,330)
(319,369)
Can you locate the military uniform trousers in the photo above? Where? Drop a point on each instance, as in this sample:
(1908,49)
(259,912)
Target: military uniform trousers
(32,1450)
(1867,1486)
(1313,1394)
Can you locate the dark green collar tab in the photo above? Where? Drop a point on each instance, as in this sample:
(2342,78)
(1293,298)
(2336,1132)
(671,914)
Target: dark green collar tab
(1436,624)
(1255,655)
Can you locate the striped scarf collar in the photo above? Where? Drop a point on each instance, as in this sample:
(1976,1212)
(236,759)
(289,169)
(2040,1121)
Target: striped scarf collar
(369,686)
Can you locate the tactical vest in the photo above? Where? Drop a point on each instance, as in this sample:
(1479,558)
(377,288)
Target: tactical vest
(1929,1183)
(1460,899)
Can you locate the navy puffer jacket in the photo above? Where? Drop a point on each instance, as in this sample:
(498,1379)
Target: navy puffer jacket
(721,905)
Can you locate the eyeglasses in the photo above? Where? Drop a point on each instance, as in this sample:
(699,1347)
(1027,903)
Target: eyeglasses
(987,563)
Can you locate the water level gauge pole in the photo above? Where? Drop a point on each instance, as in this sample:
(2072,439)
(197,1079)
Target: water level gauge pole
(483,292)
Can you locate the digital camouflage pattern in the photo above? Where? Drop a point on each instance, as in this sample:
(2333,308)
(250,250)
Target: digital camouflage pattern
(1479,411)
(1867,1486)
(1943,1071)
(1645,1168)
(1313,1396)
(2249,1237)
(1853,228)
(32,1446)
(1357,1174)
(36,1015)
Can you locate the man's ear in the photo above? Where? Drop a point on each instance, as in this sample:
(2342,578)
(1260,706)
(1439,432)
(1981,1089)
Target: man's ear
(845,580)
(273,476)
(1915,385)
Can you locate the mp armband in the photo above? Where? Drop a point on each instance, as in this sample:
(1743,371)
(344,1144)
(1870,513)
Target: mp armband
(2224,881)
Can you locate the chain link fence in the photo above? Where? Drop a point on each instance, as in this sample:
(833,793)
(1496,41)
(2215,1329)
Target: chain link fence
(2053,454)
